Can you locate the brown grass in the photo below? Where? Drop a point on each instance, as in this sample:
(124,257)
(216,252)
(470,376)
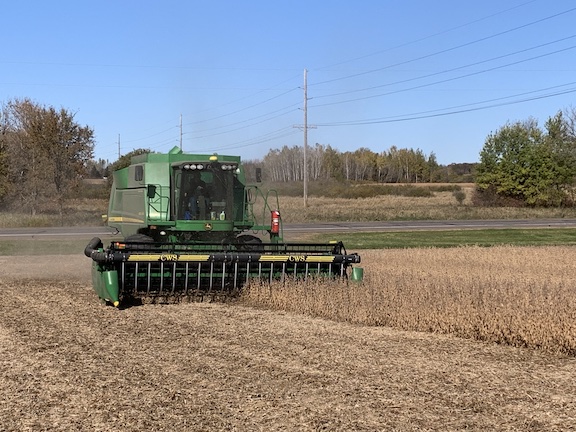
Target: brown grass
(441,206)
(76,212)
(519,296)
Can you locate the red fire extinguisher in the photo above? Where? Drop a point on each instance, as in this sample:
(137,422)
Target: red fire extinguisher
(275,214)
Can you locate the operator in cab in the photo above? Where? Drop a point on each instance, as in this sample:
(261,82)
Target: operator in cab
(196,197)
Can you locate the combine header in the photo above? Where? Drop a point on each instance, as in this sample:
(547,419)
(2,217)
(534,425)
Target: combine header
(193,229)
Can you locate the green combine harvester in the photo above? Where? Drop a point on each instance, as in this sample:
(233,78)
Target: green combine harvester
(192,228)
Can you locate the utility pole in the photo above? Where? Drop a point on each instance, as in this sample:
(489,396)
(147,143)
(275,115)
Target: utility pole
(118,146)
(180,132)
(306,126)
(305,138)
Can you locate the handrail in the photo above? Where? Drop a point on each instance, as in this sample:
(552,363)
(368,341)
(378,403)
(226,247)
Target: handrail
(159,206)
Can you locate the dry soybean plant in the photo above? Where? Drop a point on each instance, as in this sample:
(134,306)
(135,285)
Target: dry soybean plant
(520,296)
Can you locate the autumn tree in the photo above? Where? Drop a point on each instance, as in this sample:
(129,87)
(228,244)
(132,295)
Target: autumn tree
(4,136)
(47,152)
(97,169)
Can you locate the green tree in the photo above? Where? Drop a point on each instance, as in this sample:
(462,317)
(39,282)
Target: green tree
(560,146)
(405,165)
(332,164)
(506,160)
(432,168)
(522,163)
(365,164)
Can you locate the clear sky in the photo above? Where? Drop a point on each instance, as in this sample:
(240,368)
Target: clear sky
(432,75)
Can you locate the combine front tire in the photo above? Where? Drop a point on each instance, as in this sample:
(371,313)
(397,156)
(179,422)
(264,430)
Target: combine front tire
(139,238)
(247,242)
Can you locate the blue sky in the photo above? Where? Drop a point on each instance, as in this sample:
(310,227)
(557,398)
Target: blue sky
(432,75)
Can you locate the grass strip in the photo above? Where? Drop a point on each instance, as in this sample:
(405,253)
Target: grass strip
(352,241)
(455,238)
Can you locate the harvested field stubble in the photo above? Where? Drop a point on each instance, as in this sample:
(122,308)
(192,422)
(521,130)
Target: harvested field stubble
(70,364)
(519,296)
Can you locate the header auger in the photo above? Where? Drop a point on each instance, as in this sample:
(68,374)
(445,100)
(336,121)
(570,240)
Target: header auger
(193,229)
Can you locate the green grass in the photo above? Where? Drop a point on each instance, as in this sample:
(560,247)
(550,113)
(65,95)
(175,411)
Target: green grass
(484,237)
(353,242)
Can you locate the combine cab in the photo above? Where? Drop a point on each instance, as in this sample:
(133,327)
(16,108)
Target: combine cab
(193,229)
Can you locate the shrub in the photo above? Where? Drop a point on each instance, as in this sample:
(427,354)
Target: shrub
(459,195)
(490,198)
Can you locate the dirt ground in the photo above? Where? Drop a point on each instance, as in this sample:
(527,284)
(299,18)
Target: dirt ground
(69,364)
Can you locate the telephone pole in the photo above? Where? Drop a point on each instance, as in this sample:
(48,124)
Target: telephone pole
(305,127)
(180,132)
(305,138)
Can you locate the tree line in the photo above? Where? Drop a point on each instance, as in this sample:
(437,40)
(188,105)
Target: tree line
(45,154)
(521,164)
(324,163)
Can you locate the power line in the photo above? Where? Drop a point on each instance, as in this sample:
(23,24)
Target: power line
(284,110)
(241,127)
(246,123)
(222,116)
(450,79)
(428,37)
(429,114)
(449,49)
(151,136)
(281,133)
(448,70)
(245,108)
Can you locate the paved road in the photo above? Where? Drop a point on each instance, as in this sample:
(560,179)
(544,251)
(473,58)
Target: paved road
(429,225)
(55,232)
(341,227)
